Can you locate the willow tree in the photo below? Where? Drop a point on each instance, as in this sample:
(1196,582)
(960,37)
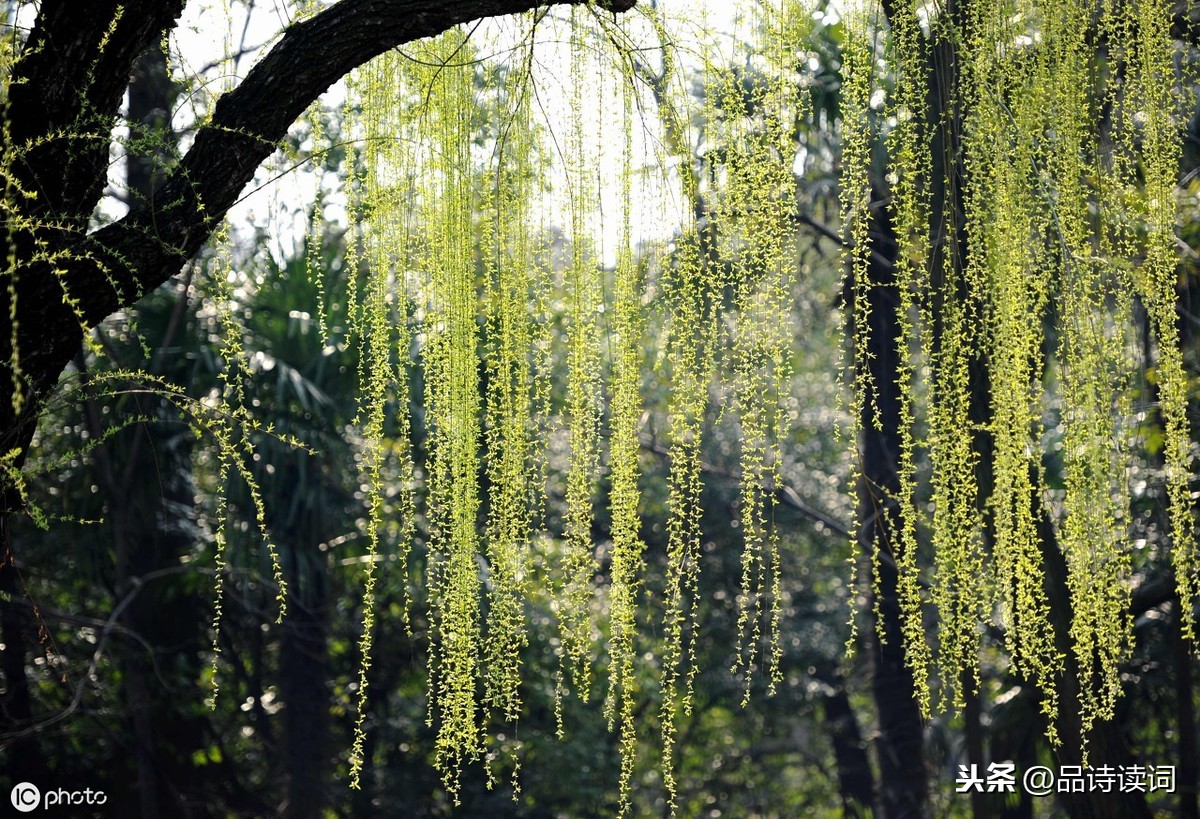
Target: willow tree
(63,82)
(63,88)
(1044,211)
(1022,241)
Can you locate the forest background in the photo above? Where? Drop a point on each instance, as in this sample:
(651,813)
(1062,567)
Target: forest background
(118,677)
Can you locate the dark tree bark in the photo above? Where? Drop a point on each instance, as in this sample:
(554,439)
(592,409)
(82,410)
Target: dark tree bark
(304,672)
(903,780)
(856,782)
(151,152)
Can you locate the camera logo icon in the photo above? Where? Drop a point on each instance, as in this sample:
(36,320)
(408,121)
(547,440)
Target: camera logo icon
(26,797)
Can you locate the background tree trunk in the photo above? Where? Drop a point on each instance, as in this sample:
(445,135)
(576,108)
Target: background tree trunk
(23,758)
(1185,707)
(856,781)
(303,679)
(903,780)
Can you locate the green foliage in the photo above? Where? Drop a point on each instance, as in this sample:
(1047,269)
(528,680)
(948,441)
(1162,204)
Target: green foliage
(1058,243)
(1037,302)
(513,360)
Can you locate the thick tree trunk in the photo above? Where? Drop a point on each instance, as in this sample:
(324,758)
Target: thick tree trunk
(856,782)
(24,761)
(303,679)
(151,100)
(900,742)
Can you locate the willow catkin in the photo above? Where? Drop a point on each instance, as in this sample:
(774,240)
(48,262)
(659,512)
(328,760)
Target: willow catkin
(379,195)
(583,380)
(1037,307)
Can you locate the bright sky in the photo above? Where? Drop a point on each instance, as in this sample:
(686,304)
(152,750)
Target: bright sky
(211,29)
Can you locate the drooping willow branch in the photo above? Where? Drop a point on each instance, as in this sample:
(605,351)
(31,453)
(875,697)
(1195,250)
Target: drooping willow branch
(112,267)
(1016,156)
(249,122)
(1052,183)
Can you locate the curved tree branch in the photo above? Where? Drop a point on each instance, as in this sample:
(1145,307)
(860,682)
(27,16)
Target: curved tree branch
(65,92)
(147,246)
(61,279)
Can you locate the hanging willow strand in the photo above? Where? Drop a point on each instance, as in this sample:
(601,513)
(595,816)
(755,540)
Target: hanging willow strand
(910,208)
(583,365)
(506,249)
(1092,371)
(1038,308)
(757,206)
(1156,105)
(950,319)
(858,80)
(453,402)
(379,322)
(1049,279)
(624,447)
(504,243)
(1009,268)
(690,282)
